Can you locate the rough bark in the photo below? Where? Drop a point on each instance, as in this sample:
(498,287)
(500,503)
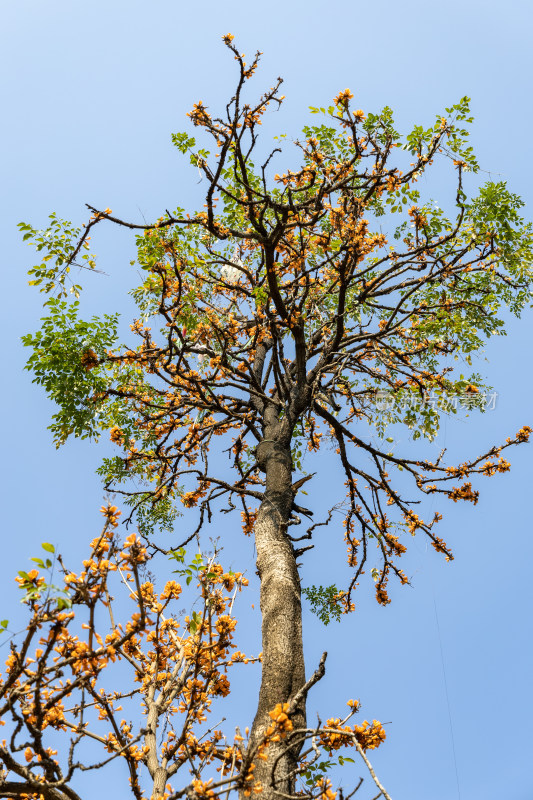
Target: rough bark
(283,670)
(160,778)
(157,772)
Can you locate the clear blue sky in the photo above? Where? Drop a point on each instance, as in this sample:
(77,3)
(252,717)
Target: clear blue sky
(90,95)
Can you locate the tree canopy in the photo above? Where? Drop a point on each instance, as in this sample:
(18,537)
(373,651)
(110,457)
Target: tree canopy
(299,306)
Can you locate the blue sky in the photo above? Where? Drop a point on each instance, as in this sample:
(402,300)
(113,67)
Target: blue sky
(90,95)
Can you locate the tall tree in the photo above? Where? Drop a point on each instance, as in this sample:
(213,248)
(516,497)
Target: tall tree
(294,308)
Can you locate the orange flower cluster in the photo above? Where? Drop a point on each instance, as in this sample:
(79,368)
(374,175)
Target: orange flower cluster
(370,736)
(343,98)
(382,596)
(203,789)
(326,792)
(335,735)
(523,434)
(464,492)
(89,359)
(112,514)
(248,521)
(281,724)
(199,115)
(190,499)
(394,545)
(441,547)
(171,591)
(419,219)
(116,435)
(33,577)
(490,468)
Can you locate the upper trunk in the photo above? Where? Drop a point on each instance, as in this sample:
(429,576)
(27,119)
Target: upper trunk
(283,671)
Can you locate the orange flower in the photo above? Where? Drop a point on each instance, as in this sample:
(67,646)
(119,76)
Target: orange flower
(89,359)
(370,736)
(172,591)
(464,492)
(116,435)
(523,434)
(112,513)
(343,98)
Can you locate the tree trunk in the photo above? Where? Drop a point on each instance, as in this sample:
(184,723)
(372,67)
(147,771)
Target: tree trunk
(283,670)
(160,778)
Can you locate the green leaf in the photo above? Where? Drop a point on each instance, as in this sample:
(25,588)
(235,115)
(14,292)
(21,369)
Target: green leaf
(48,547)
(324,602)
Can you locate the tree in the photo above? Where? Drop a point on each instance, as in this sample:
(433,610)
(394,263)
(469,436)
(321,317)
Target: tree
(296,308)
(62,678)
